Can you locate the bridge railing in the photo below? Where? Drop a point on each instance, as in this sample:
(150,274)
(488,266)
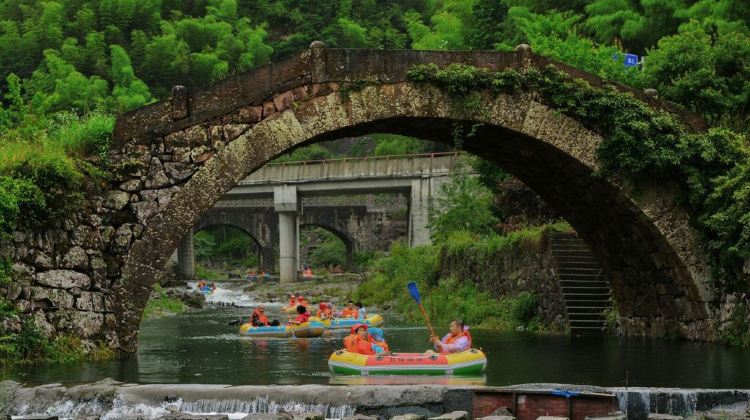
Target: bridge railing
(393,166)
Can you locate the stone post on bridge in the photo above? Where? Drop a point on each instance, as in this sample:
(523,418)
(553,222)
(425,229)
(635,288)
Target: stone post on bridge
(286,203)
(186,257)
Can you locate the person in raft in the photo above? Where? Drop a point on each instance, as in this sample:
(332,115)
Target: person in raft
(457,340)
(361,311)
(350,311)
(292,300)
(377,341)
(324,311)
(302,316)
(359,341)
(259,318)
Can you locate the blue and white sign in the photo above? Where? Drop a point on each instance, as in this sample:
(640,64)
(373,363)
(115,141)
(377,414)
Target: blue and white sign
(631,60)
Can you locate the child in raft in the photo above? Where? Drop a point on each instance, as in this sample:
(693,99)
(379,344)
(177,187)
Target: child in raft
(361,342)
(302,316)
(361,311)
(350,311)
(325,311)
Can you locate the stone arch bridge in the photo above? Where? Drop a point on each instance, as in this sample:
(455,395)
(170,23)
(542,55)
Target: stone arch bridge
(177,158)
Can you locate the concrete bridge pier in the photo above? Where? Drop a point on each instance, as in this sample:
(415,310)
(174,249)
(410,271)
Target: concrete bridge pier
(286,204)
(186,257)
(419,212)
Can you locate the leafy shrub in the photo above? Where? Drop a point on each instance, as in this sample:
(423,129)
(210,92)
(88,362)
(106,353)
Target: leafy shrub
(524,307)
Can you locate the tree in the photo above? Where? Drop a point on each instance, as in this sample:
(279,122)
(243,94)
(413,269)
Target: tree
(488,28)
(129,91)
(463,204)
(704,67)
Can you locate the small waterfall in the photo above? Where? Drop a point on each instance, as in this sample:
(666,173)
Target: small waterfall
(117,409)
(227,295)
(638,403)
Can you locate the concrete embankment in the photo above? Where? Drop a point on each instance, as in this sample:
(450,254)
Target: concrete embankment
(112,400)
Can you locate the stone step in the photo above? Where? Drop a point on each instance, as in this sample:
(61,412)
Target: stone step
(594,290)
(579,270)
(583,283)
(586,309)
(567,258)
(591,265)
(586,296)
(603,304)
(572,253)
(583,274)
(586,323)
(593,316)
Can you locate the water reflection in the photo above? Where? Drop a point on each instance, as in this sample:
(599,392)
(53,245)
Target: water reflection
(407,380)
(200,347)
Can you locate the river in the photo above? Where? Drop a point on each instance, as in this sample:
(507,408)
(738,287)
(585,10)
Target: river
(199,346)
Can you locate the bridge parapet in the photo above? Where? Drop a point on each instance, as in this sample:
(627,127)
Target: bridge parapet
(398,166)
(320,65)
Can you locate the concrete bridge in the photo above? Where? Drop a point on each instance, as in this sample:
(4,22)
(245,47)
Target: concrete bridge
(273,203)
(174,160)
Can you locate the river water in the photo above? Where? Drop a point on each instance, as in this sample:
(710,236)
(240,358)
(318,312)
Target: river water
(199,346)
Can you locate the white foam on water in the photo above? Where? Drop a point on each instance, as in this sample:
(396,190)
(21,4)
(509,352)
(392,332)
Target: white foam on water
(230,294)
(235,409)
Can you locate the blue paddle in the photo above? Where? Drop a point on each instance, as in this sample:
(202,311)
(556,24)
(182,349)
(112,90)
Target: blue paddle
(414,292)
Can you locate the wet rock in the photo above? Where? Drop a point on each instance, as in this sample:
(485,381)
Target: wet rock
(189,297)
(183,416)
(268,416)
(611,416)
(409,417)
(64,279)
(453,415)
(359,417)
(496,418)
(309,416)
(656,416)
(502,411)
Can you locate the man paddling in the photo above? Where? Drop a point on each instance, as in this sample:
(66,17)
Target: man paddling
(457,340)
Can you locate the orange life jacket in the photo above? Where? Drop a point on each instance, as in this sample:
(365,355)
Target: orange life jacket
(354,344)
(349,313)
(350,343)
(327,312)
(262,318)
(302,302)
(453,338)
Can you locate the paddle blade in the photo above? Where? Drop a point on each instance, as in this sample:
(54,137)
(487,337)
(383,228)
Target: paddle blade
(414,292)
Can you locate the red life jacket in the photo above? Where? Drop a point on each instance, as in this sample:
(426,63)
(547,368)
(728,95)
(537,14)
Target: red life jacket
(302,317)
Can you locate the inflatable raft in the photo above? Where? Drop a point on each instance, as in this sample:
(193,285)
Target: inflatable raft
(469,362)
(348,323)
(207,292)
(304,330)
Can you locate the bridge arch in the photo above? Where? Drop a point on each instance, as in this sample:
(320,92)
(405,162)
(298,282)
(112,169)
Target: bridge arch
(656,278)
(348,241)
(258,246)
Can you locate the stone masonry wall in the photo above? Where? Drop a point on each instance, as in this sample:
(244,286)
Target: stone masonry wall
(523,266)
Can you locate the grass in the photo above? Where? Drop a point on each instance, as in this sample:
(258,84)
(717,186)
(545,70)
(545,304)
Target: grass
(163,305)
(448,298)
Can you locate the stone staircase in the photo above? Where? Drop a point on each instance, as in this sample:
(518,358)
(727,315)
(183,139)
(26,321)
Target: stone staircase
(583,282)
